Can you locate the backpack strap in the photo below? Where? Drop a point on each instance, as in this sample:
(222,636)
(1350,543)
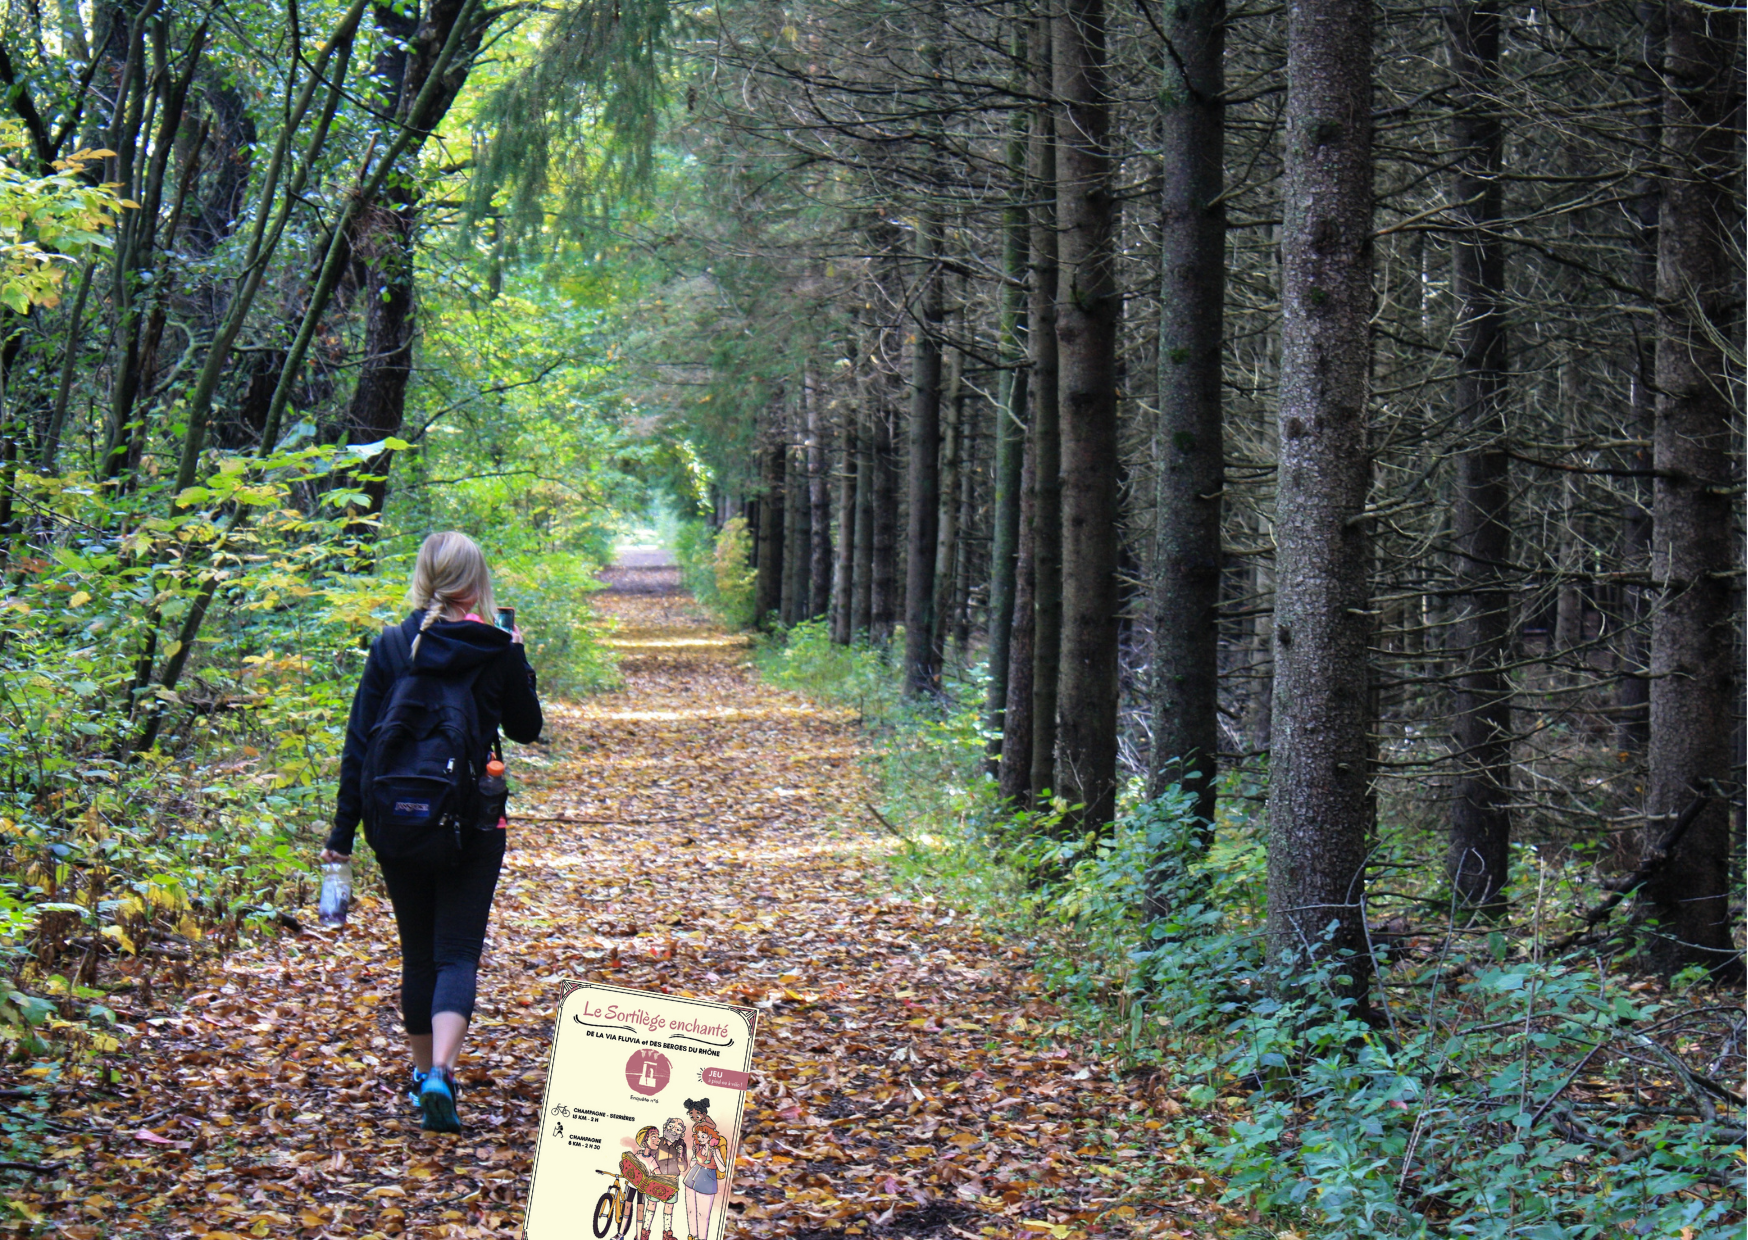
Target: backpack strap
(397,652)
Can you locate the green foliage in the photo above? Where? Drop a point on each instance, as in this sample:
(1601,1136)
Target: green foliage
(550,595)
(48,223)
(713,566)
(1456,1124)
(578,124)
(519,421)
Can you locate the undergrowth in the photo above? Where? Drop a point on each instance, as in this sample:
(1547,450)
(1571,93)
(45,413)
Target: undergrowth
(1494,1087)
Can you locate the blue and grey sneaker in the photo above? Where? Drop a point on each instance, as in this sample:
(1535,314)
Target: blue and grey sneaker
(437,1101)
(413,1090)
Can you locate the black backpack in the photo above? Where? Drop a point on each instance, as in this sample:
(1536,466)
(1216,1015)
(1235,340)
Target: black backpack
(422,763)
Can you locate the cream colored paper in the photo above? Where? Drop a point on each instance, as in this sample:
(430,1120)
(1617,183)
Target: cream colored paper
(622,1062)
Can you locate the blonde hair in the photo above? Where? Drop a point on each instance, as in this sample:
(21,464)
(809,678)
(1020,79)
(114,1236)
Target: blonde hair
(450,578)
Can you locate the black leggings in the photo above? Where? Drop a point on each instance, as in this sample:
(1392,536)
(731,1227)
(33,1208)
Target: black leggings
(442,916)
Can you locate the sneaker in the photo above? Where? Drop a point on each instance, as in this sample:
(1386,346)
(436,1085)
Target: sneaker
(437,1102)
(419,1083)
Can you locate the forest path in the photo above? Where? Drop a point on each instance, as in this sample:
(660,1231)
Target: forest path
(696,831)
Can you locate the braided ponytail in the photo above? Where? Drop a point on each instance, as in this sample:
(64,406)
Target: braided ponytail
(450,576)
(433,613)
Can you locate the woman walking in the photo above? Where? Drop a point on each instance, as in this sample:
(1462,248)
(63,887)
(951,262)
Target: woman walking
(441,912)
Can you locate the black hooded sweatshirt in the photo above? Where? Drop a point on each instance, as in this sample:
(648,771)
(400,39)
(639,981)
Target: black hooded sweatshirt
(504,695)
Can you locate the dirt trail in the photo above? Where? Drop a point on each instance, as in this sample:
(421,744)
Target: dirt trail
(696,831)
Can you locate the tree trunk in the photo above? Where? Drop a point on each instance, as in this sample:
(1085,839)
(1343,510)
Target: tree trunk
(862,571)
(411,51)
(1259,707)
(1694,692)
(1010,447)
(1010,419)
(1320,802)
(1480,839)
(1089,306)
(947,524)
(965,558)
(885,601)
(1633,694)
(844,568)
(768,585)
(1046,447)
(1189,448)
(798,537)
(379,400)
(922,669)
(1015,775)
(819,504)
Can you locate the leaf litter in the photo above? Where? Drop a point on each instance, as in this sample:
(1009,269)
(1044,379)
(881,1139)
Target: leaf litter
(695,832)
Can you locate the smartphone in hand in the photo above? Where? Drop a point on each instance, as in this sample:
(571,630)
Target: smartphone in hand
(507,619)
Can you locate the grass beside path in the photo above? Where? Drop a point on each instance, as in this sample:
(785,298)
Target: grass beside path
(699,832)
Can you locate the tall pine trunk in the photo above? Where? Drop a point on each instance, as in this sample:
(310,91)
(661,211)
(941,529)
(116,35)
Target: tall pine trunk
(947,524)
(1010,447)
(1480,835)
(1633,695)
(1046,446)
(1694,692)
(1089,306)
(862,570)
(1014,778)
(885,600)
(819,506)
(922,669)
(797,534)
(1189,448)
(844,566)
(1320,803)
(768,584)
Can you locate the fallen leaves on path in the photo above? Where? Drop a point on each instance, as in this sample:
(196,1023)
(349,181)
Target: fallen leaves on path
(697,833)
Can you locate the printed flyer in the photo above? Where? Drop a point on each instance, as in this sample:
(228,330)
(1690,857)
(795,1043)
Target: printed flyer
(642,1116)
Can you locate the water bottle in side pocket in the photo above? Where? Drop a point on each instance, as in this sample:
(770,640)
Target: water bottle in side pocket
(494,796)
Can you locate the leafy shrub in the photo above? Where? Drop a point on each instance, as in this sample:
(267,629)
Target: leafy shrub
(1449,1111)
(550,594)
(714,568)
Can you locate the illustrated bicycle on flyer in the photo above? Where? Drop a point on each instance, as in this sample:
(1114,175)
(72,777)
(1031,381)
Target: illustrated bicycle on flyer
(616,1208)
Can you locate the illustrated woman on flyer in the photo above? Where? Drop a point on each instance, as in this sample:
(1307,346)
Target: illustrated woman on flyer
(708,1157)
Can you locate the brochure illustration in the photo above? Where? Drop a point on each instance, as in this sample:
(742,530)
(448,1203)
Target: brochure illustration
(642,1116)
